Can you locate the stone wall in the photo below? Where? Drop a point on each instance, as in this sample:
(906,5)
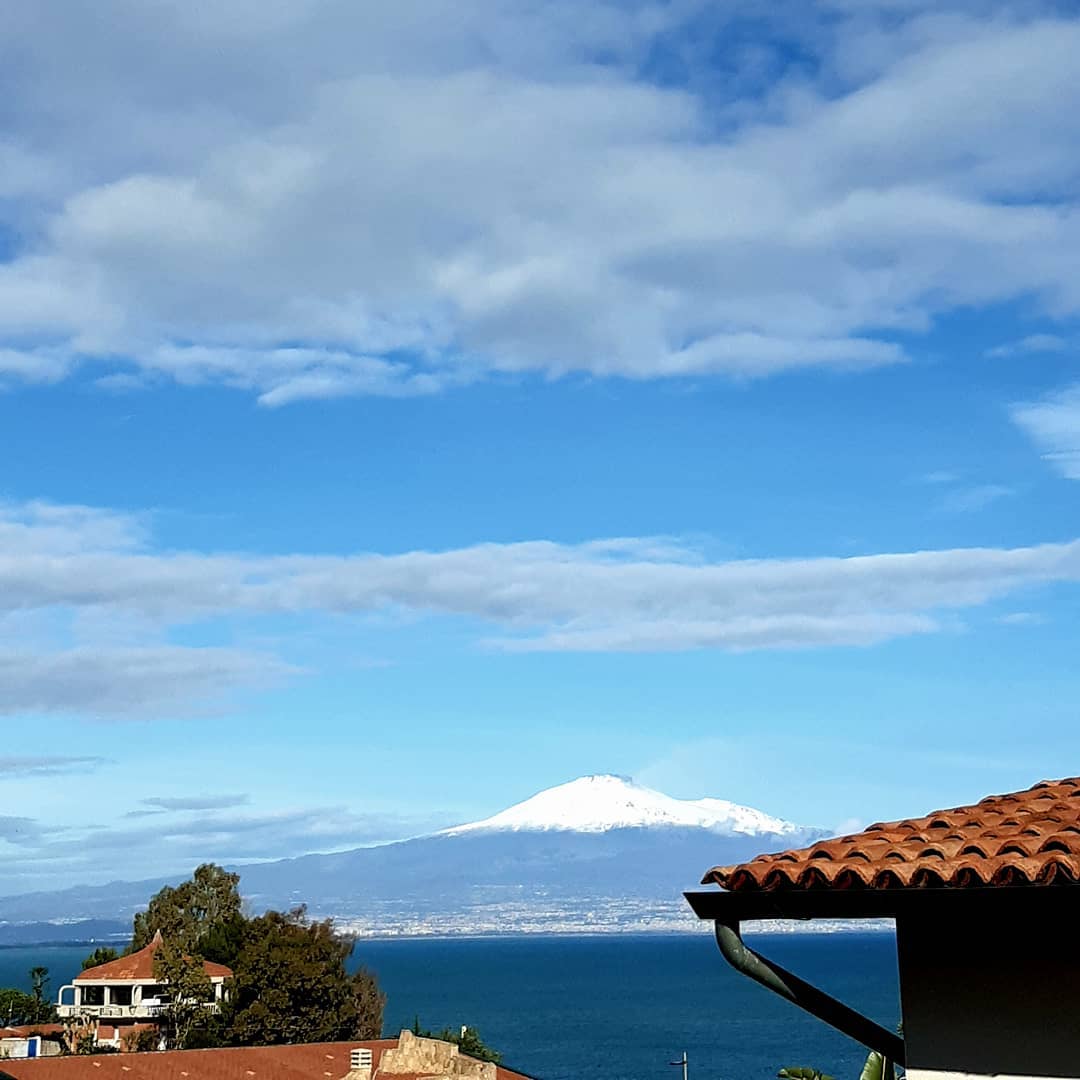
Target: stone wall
(432,1058)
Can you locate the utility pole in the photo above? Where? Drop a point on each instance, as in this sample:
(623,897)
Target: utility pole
(681,1062)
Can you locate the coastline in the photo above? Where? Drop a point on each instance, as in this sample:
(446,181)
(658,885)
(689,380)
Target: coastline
(771,927)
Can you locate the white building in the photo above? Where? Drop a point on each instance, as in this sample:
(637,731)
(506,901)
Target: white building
(126,993)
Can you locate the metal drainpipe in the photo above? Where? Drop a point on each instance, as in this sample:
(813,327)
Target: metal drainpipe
(814,1001)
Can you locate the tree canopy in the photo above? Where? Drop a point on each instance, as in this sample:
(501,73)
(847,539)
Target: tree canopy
(189,988)
(290,983)
(468,1041)
(186,913)
(290,980)
(18,1007)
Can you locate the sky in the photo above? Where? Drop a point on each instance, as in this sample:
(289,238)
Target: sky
(406,408)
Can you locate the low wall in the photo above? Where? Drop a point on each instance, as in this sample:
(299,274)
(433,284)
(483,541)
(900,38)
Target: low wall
(432,1058)
(17,1048)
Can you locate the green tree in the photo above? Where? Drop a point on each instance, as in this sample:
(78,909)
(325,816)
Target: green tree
(368,1000)
(39,984)
(189,912)
(222,942)
(877,1067)
(290,983)
(18,1007)
(207,1031)
(189,990)
(101,955)
(468,1041)
(290,986)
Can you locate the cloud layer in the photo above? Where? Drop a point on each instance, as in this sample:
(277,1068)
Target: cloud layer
(99,571)
(138,681)
(42,856)
(167,804)
(1053,424)
(16,766)
(436,194)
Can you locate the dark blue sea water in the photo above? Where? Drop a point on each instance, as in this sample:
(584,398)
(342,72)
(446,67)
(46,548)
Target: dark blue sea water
(614,1007)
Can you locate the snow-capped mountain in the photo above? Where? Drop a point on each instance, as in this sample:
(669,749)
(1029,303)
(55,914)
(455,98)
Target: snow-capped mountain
(593,804)
(598,853)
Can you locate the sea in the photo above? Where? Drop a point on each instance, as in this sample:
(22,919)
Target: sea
(611,1007)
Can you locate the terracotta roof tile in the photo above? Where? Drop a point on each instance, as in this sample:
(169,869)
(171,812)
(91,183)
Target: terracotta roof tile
(309,1061)
(1027,837)
(140,965)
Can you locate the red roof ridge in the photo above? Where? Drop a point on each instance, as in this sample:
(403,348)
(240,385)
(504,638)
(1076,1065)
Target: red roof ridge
(1029,837)
(140,965)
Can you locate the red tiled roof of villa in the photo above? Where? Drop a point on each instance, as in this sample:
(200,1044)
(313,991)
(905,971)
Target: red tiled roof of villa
(23,1031)
(307,1061)
(1029,837)
(140,965)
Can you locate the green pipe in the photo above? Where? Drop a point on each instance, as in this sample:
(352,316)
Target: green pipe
(835,1013)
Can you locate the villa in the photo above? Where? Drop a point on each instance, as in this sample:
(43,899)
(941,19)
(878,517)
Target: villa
(986,900)
(125,993)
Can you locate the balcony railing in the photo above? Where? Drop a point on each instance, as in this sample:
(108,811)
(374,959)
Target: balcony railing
(142,1011)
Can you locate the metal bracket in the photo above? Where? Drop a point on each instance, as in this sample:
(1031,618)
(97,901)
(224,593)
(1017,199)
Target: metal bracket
(816,1002)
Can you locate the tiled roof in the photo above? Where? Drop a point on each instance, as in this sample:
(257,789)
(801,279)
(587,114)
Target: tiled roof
(1028,837)
(309,1061)
(140,965)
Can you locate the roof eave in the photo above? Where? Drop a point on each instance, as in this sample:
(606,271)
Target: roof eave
(801,904)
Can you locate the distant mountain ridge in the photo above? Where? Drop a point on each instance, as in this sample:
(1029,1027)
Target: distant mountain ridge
(599,853)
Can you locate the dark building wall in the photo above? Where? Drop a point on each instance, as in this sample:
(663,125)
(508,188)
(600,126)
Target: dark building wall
(989,993)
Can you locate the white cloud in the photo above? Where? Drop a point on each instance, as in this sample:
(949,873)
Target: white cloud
(142,682)
(170,804)
(1033,343)
(40,855)
(19,832)
(939,476)
(1053,424)
(21,766)
(47,528)
(968,500)
(736,634)
(529,583)
(1021,618)
(646,594)
(32,366)
(282,376)
(433,194)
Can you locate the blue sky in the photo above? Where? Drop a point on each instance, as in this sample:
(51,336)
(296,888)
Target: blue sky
(406,411)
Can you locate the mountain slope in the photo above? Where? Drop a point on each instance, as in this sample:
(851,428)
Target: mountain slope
(598,853)
(597,846)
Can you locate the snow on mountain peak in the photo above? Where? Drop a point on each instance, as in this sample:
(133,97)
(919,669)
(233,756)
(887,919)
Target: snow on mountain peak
(600,803)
